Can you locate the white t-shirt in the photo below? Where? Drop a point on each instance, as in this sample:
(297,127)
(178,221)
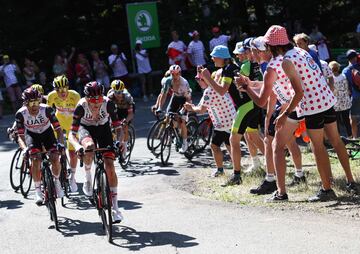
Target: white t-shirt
(143,63)
(119,69)
(221,109)
(180,59)
(221,40)
(8,72)
(196,50)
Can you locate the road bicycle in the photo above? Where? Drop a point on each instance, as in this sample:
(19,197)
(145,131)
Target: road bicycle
(124,159)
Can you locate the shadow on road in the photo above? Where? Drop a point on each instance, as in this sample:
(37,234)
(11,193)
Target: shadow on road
(11,204)
(129,238)
(69,227)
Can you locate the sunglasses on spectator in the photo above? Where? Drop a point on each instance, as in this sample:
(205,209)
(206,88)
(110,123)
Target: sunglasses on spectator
(62,89)
(32,103)
(95,99)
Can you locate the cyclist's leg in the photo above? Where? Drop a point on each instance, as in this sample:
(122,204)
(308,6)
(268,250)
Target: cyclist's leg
(32,142)
(72,154)
(86,140)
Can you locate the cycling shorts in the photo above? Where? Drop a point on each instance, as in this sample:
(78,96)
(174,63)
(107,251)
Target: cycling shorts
(246,116)
(36,141)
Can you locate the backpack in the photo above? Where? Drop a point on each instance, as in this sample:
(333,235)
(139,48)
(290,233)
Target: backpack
(355,74)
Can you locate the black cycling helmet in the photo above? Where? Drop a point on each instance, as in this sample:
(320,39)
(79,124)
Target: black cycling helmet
(93,88)
(30,94)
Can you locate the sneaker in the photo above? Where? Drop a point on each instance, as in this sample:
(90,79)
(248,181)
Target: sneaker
(59,190)
(217,173)
(39,198)
(184,147)
(276,197)
(87,189)
(233,180)
(265,188)
(352,188)
(323,195)
(297,180)
(253,168)
(73,185)
(117,216)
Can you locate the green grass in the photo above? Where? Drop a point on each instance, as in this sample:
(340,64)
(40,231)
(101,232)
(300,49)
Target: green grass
(345,205)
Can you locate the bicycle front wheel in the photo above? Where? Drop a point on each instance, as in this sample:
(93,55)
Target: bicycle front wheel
(50,196)
(106,205)
(25,178)
(156,137)
(166,142)
(15,169)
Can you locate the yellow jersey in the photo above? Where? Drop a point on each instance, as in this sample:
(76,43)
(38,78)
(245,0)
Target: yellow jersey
(64,108)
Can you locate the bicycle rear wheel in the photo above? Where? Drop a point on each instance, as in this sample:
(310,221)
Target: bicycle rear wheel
(150,135)
(166,142)
(204,133)
(50,196)
(192,137)
(106,205)
(15,169)
(124,161)
(25,178)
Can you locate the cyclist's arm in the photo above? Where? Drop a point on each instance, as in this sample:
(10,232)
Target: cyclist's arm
(78,114)
(19,119)
(50,113)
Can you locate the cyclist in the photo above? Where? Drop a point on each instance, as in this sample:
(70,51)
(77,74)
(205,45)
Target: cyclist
(64,101)
(91,121)
(33,123)
(125,106)
(181,94)
(40,89)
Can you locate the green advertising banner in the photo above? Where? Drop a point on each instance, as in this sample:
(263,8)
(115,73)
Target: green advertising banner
(143,24)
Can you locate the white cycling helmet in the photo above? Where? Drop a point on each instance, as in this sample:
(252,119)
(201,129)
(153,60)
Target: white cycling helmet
(174,69)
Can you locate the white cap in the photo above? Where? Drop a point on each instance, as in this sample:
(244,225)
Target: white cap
(313,47)
(138,42)
(239,49)
(259,43)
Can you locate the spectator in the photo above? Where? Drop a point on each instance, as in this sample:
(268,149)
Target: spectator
(320,41)
(144,70)
(343,98)
(352,57)
(59,67)
(29,72)
(358,33)
(100,70)
(302,41)
(196,50)
(9,70)
(83,72)
(176,51)
(219,39)
(117,61)
(44,83)
(1,105)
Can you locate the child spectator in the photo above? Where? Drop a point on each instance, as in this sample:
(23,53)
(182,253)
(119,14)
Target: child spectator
(343,97)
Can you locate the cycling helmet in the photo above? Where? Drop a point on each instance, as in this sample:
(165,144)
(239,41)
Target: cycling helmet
(174,69)
(39,88)
(30,94)
(93,89)
(117,85)
(60,81)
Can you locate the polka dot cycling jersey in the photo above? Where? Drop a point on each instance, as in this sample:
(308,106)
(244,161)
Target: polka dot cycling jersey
(317,94)
(282,87)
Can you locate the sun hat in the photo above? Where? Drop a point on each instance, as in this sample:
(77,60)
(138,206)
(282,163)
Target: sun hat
(138,42)
(258,43)
(239,49)
(221,51)
(276,35)
(351,54)
(247,42)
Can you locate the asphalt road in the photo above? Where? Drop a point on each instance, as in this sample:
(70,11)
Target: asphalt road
(162,219)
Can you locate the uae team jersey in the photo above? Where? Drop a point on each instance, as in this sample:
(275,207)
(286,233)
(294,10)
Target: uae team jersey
(64,107)
(220,108)
(317,94)
(282,87)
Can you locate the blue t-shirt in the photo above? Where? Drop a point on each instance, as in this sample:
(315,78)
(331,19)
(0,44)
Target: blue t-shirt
(315,56)
(347,72)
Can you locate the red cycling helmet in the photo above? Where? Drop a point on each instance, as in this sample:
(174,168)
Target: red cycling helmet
(175,69)
(93,89)
(30,94)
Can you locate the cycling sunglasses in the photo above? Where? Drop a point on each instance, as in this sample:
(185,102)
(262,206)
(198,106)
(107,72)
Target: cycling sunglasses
(32,103)
(95,99)
(62,89)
